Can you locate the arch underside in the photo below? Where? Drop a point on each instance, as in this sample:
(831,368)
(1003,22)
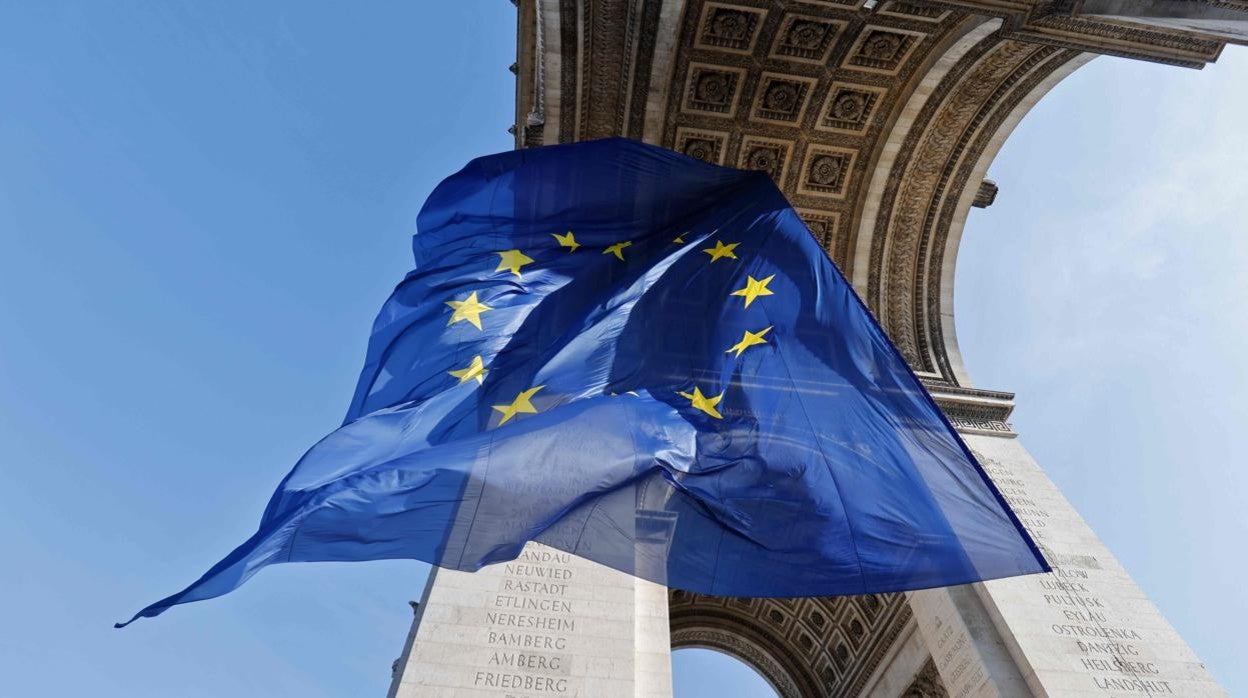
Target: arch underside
(878,123)
(804,647)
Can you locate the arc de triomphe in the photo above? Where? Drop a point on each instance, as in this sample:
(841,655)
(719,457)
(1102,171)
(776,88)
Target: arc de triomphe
(879,121)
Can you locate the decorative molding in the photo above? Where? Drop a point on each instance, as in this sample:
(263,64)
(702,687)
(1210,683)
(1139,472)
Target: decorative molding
(730,28)
(781,99)
(986,194)
(973,410)
(827,171)
(805,38)
(770,155)
(850,107)
(708,146)
(920,11)
(713,90)
(880,49)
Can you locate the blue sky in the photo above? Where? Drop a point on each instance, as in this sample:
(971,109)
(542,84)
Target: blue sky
(202,207)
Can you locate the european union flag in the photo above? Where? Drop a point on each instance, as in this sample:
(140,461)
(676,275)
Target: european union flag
(647,361)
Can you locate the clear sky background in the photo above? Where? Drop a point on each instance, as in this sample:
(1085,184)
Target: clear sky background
(202,208)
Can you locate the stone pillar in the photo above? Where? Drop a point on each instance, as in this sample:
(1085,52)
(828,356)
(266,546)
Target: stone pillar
(1086,630)
(969,653)
(548,624)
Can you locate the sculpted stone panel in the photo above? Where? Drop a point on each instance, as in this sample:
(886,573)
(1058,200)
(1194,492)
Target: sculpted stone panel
(821,78)
(924,11)
(713,90)
(771,155)
(849,108)
(707,146)
(827,171)
(782,99)
(729,27)
(805,38)
(881,49)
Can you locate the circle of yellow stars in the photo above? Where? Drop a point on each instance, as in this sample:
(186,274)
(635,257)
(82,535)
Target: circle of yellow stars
(470,309)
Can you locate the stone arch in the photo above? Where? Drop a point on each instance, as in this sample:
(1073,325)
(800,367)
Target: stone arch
(736,643)
(806,648)
(876,119)
(927,180)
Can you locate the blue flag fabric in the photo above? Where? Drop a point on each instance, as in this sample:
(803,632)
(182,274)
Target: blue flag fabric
(649,362)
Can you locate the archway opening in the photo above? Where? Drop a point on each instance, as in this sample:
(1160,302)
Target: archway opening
(706,673)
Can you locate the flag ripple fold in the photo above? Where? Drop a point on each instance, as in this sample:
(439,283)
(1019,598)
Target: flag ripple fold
(649,362)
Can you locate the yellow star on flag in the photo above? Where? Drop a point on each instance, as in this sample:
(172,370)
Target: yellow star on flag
(721,250)
(520,405)
(566,240)
(512,260)
(704,403)
(617,249)
(469,309)
(680,239)
(476,369)
(749,340)
(754,288)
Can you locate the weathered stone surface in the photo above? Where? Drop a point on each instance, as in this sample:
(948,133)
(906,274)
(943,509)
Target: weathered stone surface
(547,624)
(1086,629)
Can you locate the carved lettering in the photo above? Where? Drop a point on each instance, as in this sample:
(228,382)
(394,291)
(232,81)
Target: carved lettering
(520,620)
(530,604)
(526,587)
(1093,631)
(538,571)
(538,684)
(526,661)
(1111,648)
(1121,665)
(523,640)
(1132,685)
